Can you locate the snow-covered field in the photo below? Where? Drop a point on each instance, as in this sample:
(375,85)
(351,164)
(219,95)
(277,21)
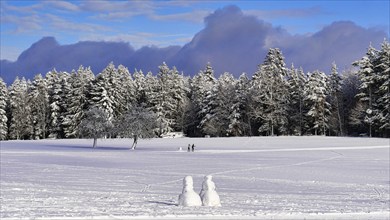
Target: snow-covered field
(256,178)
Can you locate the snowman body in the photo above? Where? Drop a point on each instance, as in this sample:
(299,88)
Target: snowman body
(208,193)
(189,197)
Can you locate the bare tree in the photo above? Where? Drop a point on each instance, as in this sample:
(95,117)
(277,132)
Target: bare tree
(137,122)
(95,124)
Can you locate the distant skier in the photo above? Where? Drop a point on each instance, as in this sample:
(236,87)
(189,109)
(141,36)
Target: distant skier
(193,147)
(189,148)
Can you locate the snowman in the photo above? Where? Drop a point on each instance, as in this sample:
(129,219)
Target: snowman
(189,197)
(208,193)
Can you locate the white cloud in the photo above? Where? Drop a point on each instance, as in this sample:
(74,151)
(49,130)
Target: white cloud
(114,10)
(63,25)
(290,13)
(6,8)
(196,16)
(23,23)
(105,6)
(64,5)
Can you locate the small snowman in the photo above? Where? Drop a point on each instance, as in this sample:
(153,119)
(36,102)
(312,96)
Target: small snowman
(208,193)
(189,197)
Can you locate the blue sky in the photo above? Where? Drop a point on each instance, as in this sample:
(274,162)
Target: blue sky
(164,23)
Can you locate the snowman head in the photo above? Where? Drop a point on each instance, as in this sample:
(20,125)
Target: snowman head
(208,183)
(188,184)
(187,181)
(208,178)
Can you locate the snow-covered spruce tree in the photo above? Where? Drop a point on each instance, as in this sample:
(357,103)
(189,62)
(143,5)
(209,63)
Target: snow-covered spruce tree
(150,89)
(137,122)
(296,110)
(201,87)
(95,124)
(374,89)
(270,94)
(140,86)
(255,106)
(315,98)
(162,101)
(335,101)
(3,110)
(126,89)
(178,91)
(66,101)
(218,107)
(58,87)
(77,102)
(20,123)
(111,82)
(39,105)
(191,120)
(367,95)
(383,90)
(98,96)
(239,124)
(168,99)
(112,90)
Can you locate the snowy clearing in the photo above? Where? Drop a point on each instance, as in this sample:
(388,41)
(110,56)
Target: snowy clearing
(256,178)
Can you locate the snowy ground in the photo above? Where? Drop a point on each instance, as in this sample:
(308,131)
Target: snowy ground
(256,178)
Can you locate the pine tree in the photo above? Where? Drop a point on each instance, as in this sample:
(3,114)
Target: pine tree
(126,89)
(296,83)
(99,97)
(168,99)
(218,107)
(202,85)
(367,88)
(239,120)
(178,91)
(58,87)
(163,104)
(150,89)
(315,97)
(3,110)
(383,90)
(140,86)
(39,105)
(335,101)
(110,79)
(270,94)
(77,101)
(20,123)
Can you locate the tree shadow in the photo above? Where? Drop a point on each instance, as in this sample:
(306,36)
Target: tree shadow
(98,148)
(163,203)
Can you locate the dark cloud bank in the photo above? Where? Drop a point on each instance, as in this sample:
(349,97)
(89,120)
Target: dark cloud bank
(230,41)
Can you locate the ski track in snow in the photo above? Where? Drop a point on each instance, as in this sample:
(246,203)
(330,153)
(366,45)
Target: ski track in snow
(256,178)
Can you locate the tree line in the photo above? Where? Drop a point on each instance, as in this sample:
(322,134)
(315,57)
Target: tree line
(276,100)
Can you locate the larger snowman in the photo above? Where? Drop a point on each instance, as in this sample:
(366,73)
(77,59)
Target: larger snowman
(189,197)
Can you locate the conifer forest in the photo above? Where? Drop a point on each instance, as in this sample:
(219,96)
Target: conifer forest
(276,100)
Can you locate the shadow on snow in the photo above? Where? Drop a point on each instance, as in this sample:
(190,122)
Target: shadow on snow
(103,148)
